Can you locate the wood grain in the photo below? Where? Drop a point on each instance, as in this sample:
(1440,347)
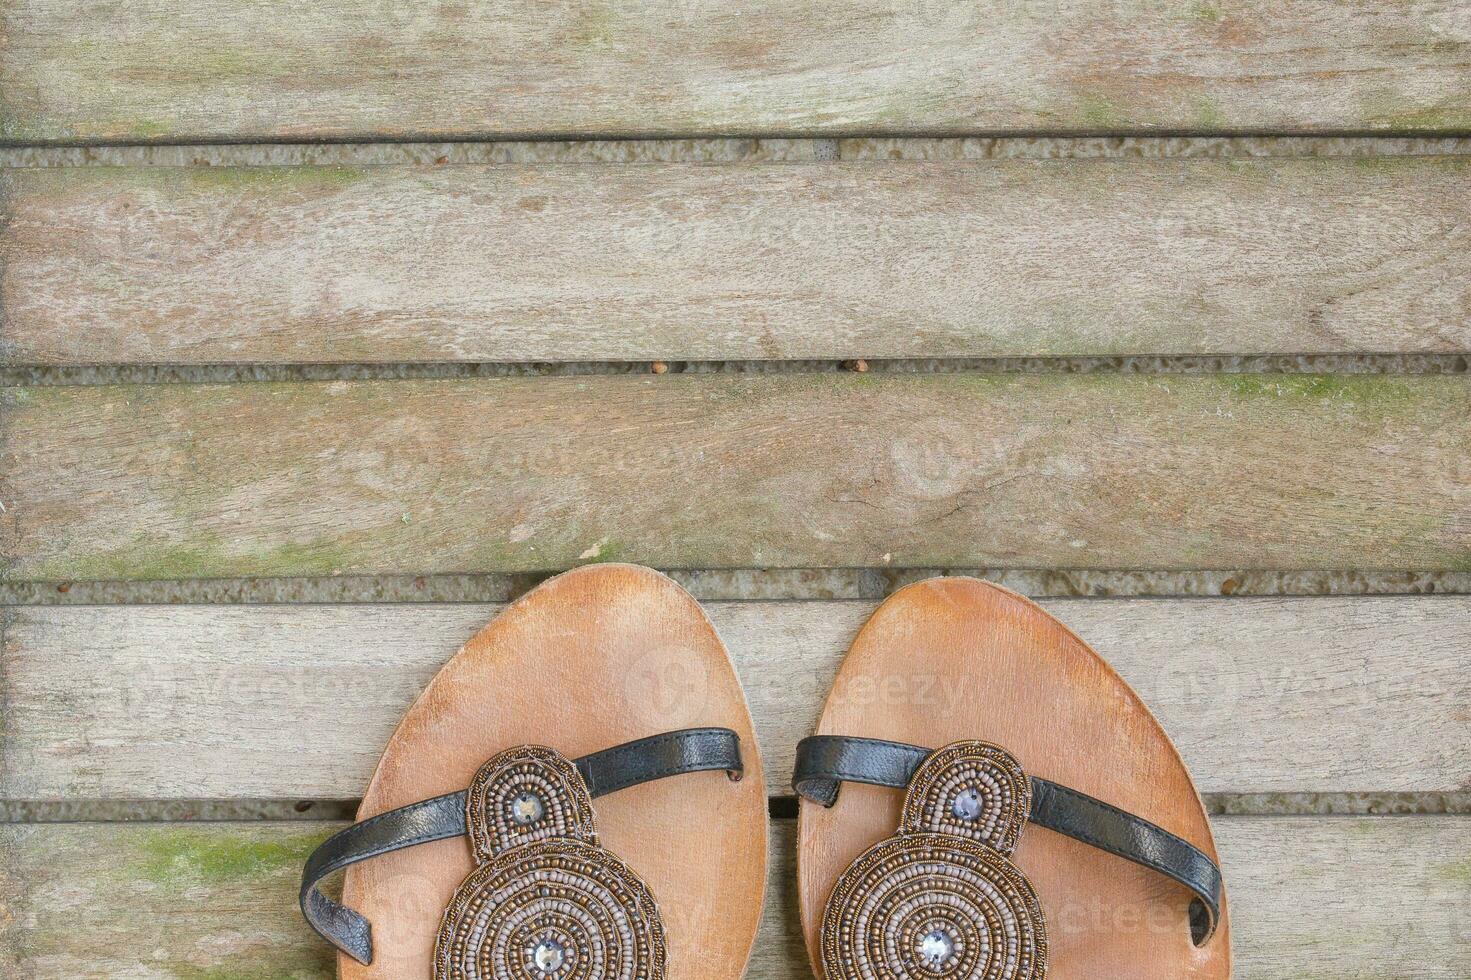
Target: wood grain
(209,702)
(683,262)
(178,481)
(89,70)
(219,900)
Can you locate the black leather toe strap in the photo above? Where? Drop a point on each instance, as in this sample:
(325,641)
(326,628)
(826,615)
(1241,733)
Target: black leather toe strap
(825,762)
(419,823)
(641,761)
(658,756)
(1116,831)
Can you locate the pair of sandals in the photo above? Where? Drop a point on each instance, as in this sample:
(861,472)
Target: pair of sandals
(963,719)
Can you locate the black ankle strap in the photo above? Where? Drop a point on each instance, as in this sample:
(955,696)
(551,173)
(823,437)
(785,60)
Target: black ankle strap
(825,762)
(641,761)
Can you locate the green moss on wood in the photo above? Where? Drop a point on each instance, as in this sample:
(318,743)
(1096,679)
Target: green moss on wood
(287,964)
(1442,118)
(150,129)
(1208,113)
(148,561)
(208,557)
(604,549)
(1458,871)
(18,125)
(1362,391)
(107,182)
(594,25)
(1387,108)
(251,178)
(351,552)
(1102,113)
(186,857)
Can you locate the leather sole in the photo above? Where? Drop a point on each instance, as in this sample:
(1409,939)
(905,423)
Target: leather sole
(956,658)
(590,659)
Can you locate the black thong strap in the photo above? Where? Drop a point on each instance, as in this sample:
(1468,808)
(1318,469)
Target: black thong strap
(824,762)
(641,761)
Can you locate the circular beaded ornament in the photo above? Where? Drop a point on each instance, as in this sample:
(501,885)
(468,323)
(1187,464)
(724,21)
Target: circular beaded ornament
(546,902)
(941,898)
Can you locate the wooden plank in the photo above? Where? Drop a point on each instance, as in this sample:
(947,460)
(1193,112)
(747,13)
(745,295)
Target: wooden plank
(181,900)
(678,262)
(90,70)
(177,481)
(1332,695)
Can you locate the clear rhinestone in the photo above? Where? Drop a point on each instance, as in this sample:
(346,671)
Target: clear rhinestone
(967,805)
(935,948)
(548,955)
(527,809)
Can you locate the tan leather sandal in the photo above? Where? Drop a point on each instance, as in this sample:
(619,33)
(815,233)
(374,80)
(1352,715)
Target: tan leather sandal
(986,798)
(607,683)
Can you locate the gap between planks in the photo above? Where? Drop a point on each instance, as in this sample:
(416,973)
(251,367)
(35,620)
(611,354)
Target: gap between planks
(729,151)
(754,584)
(1185,364)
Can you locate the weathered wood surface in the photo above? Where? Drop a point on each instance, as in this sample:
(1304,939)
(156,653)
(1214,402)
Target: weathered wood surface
(176,70)
(219,900)
(211,702)
(715,471)
(679,262)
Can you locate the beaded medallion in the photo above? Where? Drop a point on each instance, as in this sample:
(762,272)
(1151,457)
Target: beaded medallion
(545,902)
(941,898)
